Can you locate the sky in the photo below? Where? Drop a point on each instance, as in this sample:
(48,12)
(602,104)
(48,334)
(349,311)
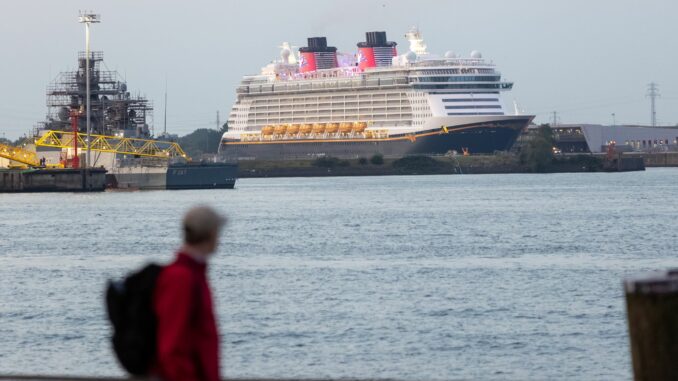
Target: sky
(585,59)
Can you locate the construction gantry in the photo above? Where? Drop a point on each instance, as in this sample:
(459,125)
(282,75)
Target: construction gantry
(113,144)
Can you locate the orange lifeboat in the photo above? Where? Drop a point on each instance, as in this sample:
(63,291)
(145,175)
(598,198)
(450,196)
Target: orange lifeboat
(345,127)
(359,127)
(332,128)
(280,129)
(306,128)
(318,128)
(267,131)
(293,129)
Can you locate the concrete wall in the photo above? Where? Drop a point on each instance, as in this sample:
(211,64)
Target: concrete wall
(598,136)
(663,159)
(52,180)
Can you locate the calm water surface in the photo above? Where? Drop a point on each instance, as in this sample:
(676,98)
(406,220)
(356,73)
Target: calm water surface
(430,277)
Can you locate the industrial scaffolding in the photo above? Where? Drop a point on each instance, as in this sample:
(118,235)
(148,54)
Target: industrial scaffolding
(114,111)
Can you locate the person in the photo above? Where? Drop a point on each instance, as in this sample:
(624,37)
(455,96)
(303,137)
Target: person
(187,338)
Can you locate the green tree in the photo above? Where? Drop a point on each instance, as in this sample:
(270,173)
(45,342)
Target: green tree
(201,141)
(538,152)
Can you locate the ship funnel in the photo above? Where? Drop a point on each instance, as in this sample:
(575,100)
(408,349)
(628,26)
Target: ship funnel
(376,50)
(317,55)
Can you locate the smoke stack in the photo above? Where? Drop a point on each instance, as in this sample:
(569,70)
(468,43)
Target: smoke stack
(317,55)
(376,51)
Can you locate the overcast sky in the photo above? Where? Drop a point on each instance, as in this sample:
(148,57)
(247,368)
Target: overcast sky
(585,59)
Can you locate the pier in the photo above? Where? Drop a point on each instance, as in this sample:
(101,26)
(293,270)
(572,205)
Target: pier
(52,180)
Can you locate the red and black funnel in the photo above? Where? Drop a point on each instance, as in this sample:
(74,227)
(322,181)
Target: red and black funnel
(376,51)
(317,55)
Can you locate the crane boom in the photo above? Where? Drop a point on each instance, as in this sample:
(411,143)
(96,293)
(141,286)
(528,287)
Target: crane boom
(114,144)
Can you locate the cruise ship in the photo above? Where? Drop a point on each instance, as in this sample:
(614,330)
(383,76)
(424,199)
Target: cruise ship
(321,102)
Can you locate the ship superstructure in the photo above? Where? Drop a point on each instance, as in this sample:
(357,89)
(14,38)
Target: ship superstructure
(114,111)
(121,139)
(324,102)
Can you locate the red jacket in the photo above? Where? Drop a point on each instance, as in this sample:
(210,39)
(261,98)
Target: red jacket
(187,339)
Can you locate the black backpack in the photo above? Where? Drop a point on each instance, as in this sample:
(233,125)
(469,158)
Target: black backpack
(130,309)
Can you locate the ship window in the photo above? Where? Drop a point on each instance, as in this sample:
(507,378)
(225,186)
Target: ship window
(471,107)
(471,100)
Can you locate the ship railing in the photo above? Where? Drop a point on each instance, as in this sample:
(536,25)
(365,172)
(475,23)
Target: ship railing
(338,84)
(93,56)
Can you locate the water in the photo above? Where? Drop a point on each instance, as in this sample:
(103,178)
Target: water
(430,277)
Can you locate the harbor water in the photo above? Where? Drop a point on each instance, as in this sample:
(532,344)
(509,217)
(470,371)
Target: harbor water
(417,277)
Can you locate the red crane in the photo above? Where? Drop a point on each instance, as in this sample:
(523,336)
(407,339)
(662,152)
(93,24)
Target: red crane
(75,114)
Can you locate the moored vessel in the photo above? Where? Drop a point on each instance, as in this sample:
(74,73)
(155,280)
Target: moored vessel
(322,102)
(121,141)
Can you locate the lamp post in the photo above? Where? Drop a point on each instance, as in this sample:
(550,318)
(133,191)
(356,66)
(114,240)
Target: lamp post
(87,19)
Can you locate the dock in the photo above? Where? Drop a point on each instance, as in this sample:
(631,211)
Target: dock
(52,180)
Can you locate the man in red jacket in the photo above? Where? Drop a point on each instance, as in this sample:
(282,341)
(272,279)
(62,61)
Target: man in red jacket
(187,338)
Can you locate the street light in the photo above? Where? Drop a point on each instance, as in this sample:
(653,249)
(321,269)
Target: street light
(87,19)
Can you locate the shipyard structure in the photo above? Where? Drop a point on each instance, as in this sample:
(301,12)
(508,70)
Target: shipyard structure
(121,138)
(318,102)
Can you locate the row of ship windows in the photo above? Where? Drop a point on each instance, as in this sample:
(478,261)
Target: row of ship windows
(647,143)
(464,78)
(305,106)
(503,86)
(455,71)
(320,85)
(334,98)
(330,110)
(336,119)
(471,107)
(474,113)
(471,100)
(332,118)
(472,93)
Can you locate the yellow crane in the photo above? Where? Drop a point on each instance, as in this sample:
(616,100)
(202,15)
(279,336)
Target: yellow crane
(19,155)
(113,144)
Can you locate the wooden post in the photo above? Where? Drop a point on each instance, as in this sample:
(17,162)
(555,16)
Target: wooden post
(652,308)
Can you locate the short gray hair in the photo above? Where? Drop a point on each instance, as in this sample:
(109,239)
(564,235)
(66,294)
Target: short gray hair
(200,223)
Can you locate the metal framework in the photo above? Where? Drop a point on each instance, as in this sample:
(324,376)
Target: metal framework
(114,144)
(113,107)
(19,155)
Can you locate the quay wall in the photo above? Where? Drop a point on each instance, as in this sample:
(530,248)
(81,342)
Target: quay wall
(52,180)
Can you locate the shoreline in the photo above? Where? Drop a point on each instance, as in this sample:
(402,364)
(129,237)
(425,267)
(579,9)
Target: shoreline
(425,165)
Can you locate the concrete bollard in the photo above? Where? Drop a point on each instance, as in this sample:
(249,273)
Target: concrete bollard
(652,308)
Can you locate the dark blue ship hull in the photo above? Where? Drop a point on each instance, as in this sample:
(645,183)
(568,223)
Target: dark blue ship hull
(201,176)
(476,138)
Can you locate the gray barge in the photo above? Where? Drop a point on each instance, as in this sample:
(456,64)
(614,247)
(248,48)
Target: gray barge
(156,175)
